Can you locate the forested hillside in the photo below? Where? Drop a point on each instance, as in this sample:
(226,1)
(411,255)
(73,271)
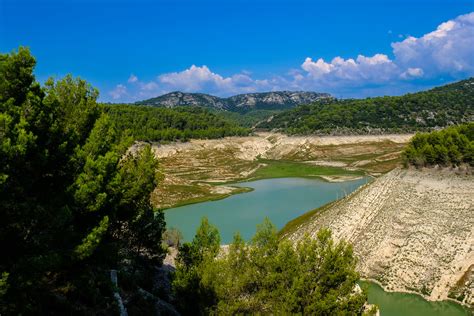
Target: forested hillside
(248,119)
(162,124)
(439,107)
(448,147)
(73,205)
(75,213)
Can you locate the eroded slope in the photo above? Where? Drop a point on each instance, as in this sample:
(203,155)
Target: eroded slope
(190,169)
(412,231)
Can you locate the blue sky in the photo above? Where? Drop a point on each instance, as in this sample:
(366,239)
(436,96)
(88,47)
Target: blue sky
(132,50)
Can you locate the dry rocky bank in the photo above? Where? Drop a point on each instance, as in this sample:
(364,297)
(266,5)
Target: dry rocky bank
(412,230)
(191,170)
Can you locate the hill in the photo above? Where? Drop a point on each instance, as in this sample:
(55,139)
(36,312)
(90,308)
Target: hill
(427,110)
(238,103)
(412,230)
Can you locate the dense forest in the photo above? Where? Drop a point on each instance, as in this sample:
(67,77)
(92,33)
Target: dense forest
(163,124)
(266,275)
(247,119)
(439,107)
(75,210)
(451,146)
(73,205)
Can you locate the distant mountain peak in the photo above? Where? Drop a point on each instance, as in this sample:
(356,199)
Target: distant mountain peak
(240,102)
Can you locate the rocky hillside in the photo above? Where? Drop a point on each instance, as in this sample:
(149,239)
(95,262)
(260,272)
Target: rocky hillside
(426,110)
(241,102)
(178,98)
(412,231)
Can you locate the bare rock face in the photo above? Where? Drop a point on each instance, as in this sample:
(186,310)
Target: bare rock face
(412,230)
(275,100)
(177,98)
(241,102)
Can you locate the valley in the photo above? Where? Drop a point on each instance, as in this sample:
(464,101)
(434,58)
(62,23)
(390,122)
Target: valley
(195,171)
(411,229)
(237,158)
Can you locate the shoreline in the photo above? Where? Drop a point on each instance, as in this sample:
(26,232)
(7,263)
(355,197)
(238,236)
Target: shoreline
(193,169)
(243,189)
(425,297)
(239,190)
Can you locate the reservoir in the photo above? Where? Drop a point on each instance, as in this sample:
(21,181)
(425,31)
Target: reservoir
(407,304)
(281,200)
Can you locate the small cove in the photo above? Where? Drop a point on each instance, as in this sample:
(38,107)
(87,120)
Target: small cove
(408,304)
(281,200)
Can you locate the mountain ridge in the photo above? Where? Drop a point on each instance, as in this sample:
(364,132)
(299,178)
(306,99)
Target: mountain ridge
(435,108)
(239,102)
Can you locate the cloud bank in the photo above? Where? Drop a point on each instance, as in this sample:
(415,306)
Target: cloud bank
(447,52)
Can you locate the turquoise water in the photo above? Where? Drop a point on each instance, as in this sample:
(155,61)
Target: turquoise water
(281,200)
(405,304)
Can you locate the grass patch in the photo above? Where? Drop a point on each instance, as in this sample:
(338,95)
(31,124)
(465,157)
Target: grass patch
(383,166)
(286,169)
(209,197)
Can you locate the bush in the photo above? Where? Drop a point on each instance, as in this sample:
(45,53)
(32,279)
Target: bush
(448,147)
(266,275)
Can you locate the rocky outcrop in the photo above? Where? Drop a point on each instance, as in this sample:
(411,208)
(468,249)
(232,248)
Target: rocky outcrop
(412,230)
(241,102)
(177,98)
(275,100)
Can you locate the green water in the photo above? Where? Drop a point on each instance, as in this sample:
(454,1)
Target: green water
(405,304)
(281,200)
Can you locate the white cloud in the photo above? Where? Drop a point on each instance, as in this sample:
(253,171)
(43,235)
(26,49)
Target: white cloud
(201,78)
(132,79)
(363,69)
(194,78)
(447,52)
(412,73)
(150,86)
(118,92)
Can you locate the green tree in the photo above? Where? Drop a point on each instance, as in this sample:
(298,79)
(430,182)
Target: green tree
(269,275)
(192,261)
(450,146)
(428,152)
(72,203)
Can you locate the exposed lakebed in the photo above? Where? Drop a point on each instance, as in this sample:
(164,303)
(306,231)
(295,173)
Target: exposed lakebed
(282,200)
